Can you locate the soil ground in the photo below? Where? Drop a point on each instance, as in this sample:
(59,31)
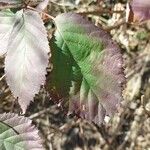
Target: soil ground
(129,129)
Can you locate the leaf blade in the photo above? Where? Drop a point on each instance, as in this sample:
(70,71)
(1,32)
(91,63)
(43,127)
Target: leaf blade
(17,132)
(6,24)
(28,50)
(138,11)
(98,64)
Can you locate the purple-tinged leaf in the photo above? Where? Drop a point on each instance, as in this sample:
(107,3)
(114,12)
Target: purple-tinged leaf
(138,11)
(17,133)
(27,57)
(89,66)
(42,5)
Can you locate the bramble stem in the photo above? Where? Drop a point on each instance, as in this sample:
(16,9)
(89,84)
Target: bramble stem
(7,6)
(99,12)
(49,16)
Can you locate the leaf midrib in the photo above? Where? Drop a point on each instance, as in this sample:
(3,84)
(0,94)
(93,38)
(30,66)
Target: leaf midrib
(77,63)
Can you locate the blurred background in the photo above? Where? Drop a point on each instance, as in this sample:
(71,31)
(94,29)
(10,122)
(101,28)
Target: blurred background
(129,129)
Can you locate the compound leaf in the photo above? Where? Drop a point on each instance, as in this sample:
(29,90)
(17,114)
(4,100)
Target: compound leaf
(17,132)
(92,62)
(27,57)
(6,24)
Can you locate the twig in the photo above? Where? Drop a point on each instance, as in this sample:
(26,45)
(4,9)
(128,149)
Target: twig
(39,113)
(62,4)
(144,105)
(98,12)
(115,26)
(134,129)
(18,5)
(7,6)
(1,78)
(49,16)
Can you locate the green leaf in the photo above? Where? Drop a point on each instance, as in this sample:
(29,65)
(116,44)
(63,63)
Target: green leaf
(88,64)
(17,133)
